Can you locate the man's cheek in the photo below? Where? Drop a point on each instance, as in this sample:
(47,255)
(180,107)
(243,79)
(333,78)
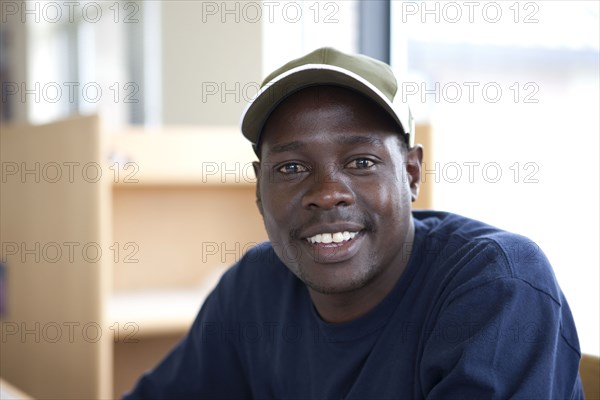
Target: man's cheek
(271,209)
(273,226)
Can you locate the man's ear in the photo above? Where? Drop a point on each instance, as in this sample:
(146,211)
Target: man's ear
(256,166)
(414,158)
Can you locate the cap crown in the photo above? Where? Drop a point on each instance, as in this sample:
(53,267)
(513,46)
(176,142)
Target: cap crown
(327,66)
(378,73)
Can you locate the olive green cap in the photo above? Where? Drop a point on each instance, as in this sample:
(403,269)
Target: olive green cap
(327,66)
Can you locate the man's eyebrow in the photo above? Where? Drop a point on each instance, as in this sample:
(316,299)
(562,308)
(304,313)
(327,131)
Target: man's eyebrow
(355,139)
(342,139)
(289,146)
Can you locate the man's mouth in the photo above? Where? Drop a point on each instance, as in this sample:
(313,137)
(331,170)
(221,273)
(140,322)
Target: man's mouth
(335,237)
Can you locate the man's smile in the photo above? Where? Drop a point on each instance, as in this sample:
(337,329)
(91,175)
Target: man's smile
(335,232)
(337,237)
(334,245)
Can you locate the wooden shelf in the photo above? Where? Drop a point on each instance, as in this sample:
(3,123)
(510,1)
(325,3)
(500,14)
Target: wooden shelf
(159,311)
(181,156)
(154,220)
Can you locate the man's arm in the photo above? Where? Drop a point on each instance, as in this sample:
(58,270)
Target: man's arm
(203,365)
(503,337)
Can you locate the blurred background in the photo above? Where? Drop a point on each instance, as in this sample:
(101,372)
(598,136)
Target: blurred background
(506,96)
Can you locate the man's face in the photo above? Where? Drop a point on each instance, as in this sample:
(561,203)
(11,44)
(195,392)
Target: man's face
(334,189)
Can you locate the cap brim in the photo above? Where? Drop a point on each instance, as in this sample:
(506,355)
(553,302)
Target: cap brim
(278,89)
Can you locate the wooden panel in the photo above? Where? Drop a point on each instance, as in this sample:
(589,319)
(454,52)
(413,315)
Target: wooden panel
(179,233)
(182,155)
(589,369)
(52,343)
(423,137)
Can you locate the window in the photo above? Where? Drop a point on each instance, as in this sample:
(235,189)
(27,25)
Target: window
(512,91)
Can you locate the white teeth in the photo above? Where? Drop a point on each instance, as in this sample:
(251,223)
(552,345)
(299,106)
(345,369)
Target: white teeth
(336,237)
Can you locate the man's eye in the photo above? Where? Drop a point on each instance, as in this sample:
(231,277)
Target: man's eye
(361,163)
(292,168)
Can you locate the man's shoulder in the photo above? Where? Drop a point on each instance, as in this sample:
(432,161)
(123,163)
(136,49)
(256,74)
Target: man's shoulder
(444,228)
(449,226)
(485,251)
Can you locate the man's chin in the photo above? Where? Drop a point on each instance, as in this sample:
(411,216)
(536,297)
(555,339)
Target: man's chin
(336,284)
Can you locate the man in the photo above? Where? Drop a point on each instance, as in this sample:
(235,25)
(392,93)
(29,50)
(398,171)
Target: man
(355,296)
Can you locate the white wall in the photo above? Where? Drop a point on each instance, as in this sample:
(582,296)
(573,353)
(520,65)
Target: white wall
(208,64)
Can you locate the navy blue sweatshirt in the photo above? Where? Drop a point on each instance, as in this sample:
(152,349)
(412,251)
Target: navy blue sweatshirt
(476,314)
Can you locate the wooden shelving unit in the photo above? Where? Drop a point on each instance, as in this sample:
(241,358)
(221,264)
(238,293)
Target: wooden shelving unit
(173,209)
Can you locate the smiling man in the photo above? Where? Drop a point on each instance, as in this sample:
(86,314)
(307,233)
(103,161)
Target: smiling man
(355,296)
(332,177)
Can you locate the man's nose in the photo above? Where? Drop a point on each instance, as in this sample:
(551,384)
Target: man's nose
(327,191)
